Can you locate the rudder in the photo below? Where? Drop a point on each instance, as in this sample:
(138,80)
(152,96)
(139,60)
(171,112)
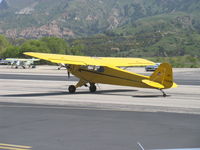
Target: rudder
(163,75)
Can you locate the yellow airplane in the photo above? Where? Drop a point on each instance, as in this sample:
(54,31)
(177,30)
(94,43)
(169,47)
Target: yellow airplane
(106,70)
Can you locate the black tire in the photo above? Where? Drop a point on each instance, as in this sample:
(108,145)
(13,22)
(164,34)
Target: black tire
(93,88)
(72,89)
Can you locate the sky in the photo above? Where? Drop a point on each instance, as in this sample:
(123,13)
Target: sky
(0,1)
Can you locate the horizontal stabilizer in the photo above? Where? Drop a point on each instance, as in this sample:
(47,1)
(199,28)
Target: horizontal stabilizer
(174,85)
(153,84)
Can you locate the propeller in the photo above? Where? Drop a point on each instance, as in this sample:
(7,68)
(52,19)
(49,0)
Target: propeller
(68,72)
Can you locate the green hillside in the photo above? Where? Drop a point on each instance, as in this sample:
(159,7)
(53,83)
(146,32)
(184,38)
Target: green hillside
(23,18)
(128,28)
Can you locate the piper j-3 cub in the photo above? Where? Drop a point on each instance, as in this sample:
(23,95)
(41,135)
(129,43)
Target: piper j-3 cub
(106,70)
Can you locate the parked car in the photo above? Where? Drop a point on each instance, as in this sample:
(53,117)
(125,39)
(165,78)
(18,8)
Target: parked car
(4,62)
(152,67)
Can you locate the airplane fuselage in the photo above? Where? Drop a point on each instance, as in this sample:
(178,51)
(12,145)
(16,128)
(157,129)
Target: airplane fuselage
(108,75)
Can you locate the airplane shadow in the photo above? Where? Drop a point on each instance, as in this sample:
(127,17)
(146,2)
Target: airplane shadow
(112,92)
(35,94)
(103,92)
(150,96)
(117,92)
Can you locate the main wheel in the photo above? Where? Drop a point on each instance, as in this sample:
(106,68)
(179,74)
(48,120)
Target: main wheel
(93,88)
(72,89)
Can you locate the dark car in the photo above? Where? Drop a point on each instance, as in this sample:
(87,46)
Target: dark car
(152,67)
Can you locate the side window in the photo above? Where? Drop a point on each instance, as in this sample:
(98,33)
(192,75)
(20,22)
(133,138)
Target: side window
(101,69)
(96,68)
(91,67)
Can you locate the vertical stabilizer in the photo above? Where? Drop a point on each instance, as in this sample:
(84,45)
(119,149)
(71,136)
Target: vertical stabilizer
(163,75)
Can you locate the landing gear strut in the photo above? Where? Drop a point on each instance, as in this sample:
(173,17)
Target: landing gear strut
(164,94)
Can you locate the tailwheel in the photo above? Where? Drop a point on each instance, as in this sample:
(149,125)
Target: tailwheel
(93,88)
(164,94)
(72,89)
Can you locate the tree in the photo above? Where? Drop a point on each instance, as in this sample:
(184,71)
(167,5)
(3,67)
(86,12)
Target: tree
(76,47)
(3,44)
(34,46)
(56,45)
(12,51)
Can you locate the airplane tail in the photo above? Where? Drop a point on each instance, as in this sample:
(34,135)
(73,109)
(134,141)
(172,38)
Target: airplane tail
(162,78)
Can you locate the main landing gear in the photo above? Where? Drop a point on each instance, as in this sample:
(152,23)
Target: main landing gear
(72,89)
(92,88)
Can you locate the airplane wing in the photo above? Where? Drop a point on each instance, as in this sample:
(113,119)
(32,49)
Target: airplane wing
(66,59)
(126,62)
(97,61)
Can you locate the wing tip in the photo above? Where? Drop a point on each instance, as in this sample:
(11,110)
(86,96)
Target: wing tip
(27,53)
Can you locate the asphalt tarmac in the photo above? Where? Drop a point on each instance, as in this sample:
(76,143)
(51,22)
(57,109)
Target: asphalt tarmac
(37,112)
(67,128)
(179,78)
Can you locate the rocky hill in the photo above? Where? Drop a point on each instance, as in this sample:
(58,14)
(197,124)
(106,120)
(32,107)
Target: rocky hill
(78,18)
(4,5)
